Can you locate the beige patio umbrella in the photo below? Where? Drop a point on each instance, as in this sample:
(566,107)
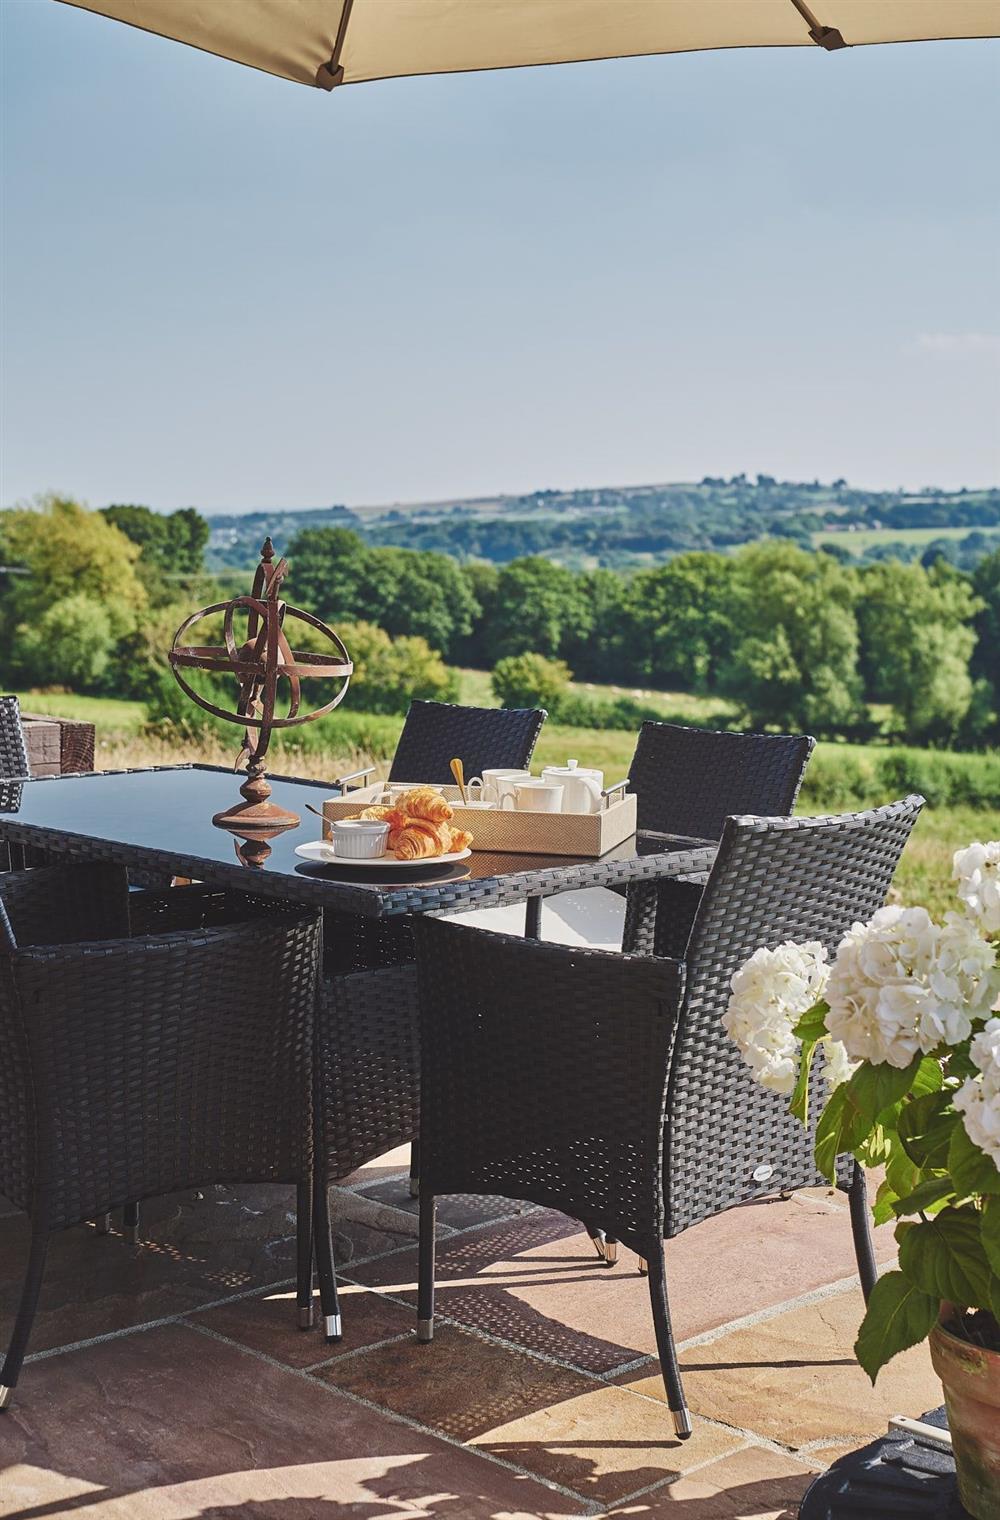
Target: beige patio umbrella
(332,42)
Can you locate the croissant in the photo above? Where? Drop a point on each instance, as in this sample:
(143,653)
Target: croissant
(461,839)
(421,840)
(425,802)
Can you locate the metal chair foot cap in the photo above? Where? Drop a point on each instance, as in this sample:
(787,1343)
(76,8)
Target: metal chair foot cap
(610,1252)
(131,1233)
(414,1187)
(102,1224)
(682,1423)
(305,1317)
(643,1267)
(597,1241)
(331,1327)
(425,1330)
(5,1395)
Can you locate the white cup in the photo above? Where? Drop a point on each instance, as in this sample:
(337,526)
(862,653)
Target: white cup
(498,784)
(537,796)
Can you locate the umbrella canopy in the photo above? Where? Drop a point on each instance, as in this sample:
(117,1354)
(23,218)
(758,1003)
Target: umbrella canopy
(332,42)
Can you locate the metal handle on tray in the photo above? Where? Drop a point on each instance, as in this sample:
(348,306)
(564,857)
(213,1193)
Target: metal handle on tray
(358,776)
(614,793)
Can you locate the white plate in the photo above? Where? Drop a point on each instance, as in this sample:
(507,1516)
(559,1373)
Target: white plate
(321,851)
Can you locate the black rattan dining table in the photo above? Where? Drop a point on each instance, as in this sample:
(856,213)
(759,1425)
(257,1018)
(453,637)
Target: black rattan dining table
(159,820)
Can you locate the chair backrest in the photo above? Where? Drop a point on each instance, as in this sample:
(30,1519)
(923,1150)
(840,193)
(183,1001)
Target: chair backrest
(690,780)
(13,748)
(482,737)
(775,879)
(64,904)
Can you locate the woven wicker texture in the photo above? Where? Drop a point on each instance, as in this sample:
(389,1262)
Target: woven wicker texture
(547,1071)
(13,750)
(775,879)
(145,1065)
(543,1074)
(690,780)
(368,1066)
(482,737)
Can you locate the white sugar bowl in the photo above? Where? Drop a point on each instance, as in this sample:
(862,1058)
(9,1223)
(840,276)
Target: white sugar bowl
(582,789)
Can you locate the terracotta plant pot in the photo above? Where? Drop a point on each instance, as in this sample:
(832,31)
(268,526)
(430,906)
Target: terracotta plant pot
(971,1380)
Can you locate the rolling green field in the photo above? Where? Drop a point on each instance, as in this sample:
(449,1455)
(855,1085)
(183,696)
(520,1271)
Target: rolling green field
(841,777)
(867,538)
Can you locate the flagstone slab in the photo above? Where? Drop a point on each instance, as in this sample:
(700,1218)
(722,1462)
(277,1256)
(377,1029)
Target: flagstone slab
(794,1378)
(752,1484)
(538,1282)
(268,1323)
(174,1425)
(598,1440)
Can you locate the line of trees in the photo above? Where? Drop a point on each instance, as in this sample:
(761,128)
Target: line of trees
(796,638)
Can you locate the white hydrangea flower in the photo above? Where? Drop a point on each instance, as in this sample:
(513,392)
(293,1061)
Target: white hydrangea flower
(770,993)
(902,985)
(977,872)
(838,1065)
(978,1099)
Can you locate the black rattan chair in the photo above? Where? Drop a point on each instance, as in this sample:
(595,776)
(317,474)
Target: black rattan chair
(605,1086)
(688,781)
(482,737)
(133,1065)
(369,1046)
(13,763)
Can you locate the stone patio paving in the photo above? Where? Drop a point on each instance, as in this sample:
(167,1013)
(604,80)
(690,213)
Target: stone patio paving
(168,1381)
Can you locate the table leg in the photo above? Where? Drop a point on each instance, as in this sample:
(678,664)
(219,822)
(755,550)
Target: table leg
(533,918)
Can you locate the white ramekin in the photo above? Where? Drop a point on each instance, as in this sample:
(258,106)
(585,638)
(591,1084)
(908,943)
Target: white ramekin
(359,838)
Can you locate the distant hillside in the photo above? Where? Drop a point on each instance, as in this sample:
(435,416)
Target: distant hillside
(631,526)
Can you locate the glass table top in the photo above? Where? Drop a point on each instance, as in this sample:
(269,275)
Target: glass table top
(161,819)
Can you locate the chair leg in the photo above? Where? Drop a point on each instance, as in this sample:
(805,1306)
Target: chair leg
(861,1229)
(130,1223)
(326,1268)
(304,1253)
(25,1316)
(665,1342)
(415,1167)
(610,1250)
(102,1224)
(425,1269)
(596,1238)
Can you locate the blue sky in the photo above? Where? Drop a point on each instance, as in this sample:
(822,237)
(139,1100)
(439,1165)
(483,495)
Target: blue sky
(228,291)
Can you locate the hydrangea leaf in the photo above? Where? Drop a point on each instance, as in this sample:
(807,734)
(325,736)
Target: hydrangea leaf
(972,1171)
(929,1077)
(991,1232)
(944,1256)
(925,1129)
(799,1103)
(812,1024)
(883,1209)
(926,1196)
(854,1109)
(898,1315)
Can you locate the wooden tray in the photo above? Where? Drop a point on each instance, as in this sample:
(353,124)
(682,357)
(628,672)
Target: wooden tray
(585,834)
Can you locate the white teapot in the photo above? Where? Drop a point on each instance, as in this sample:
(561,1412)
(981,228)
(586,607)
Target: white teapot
(583,789)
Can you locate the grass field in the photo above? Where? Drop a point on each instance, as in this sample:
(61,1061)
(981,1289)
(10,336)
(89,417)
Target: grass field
(840,776)
(867,538)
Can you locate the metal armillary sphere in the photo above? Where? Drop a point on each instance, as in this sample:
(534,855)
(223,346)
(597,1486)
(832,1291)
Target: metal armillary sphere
(260,663)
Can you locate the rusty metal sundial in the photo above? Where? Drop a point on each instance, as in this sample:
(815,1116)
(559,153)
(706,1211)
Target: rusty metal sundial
(260,663)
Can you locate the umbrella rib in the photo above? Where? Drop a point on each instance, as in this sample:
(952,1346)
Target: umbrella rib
(826,37)
(332,72)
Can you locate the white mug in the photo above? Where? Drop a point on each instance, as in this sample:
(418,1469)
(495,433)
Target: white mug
(536,796)
(497,784)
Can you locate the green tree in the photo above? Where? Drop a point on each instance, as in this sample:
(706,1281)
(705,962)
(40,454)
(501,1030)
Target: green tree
(540,607)
(391,672)
(794,639)
(66,551)
(916,642)
(986,655)
(530,680)
(69,645)
(172,545)
(680,621)
(404,591)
